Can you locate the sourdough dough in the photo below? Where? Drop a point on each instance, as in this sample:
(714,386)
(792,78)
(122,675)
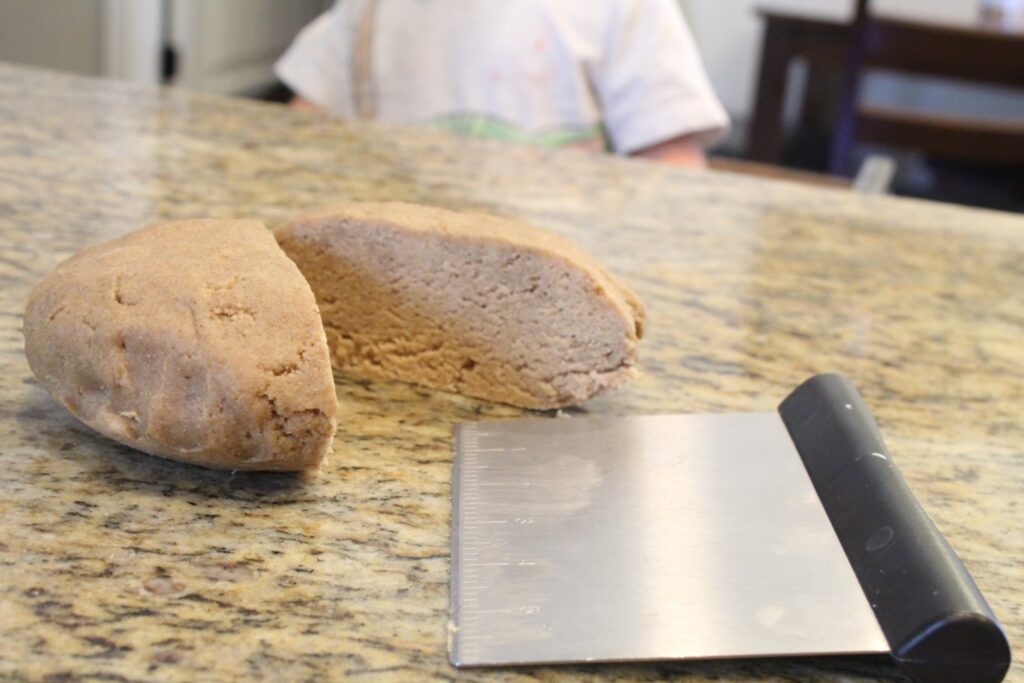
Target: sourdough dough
(198,340)
(465,302)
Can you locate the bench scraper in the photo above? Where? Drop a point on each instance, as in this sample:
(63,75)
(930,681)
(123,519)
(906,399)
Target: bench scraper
(706,536)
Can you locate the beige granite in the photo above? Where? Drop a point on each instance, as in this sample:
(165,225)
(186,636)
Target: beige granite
(117,566)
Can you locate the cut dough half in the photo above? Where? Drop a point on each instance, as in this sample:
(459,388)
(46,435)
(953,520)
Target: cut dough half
(465,302)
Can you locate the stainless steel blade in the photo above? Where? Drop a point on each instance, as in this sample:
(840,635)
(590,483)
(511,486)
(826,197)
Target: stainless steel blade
(639,538)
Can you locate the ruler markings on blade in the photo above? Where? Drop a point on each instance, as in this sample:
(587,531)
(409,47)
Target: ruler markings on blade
(483,563)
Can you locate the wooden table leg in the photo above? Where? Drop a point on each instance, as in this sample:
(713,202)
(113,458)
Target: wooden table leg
(766,134)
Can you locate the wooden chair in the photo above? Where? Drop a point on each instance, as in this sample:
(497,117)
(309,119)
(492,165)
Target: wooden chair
(978,53)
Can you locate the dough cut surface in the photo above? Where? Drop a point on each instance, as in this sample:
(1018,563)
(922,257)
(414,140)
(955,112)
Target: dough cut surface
(196,340)
(464,302)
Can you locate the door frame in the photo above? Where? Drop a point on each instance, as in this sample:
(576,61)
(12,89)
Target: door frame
(133,39)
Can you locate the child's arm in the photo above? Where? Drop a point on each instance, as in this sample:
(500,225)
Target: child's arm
(684,150)
(656,100)
(300,102)
(314,66)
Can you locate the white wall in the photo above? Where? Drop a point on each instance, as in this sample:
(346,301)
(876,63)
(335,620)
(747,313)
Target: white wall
(225,46)
(52,33)
(728,33)
(230,46)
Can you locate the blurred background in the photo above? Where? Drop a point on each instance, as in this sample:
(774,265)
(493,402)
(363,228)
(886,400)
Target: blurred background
(932,91)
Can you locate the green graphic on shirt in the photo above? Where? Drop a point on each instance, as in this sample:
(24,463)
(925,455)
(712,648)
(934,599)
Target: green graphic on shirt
(483,126)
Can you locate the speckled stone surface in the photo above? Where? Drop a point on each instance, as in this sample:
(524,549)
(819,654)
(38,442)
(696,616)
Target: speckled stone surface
(117,566)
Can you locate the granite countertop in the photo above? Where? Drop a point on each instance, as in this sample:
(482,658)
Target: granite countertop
(118,566)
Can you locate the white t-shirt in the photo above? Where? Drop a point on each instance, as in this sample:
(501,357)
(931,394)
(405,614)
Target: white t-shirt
(545,71)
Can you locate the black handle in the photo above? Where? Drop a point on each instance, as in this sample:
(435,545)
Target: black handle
(939,627)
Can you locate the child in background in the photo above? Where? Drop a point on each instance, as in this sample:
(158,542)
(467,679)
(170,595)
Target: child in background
(622,75)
